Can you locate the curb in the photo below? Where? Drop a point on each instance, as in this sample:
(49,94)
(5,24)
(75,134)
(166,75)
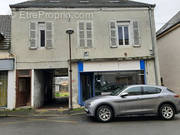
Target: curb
(42,114)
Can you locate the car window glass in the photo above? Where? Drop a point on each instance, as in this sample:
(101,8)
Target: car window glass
(134,91)
(151,90)
(170,90)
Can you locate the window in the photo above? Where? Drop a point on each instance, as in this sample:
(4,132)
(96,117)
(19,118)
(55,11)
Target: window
(110,81)
(41,35)
(123,34)
(170,90)
(151,90)
(85,34)
(134,91)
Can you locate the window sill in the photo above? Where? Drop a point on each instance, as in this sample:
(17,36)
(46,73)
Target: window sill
(85,48)
(136,46)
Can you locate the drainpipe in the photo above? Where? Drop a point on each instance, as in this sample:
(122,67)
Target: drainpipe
(154,48)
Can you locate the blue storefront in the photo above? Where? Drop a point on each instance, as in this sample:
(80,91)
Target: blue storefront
(97,78)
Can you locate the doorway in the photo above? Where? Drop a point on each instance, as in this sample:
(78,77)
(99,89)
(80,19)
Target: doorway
(3,88)
(23,88)
(51,89)
(87,85)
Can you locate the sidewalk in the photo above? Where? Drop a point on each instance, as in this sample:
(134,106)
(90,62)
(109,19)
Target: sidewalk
(29,112)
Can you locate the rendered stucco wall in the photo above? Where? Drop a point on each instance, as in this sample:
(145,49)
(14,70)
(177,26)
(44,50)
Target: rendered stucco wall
(38,89)
(168,50)
(75,85)
(57,57)
(150,73)
(11,92)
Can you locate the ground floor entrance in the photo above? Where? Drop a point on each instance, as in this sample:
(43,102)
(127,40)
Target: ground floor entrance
(42,88)
(23,88)
(3,88)
(102,78)
(102,83)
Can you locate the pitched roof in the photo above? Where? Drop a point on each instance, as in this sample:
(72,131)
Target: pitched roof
(171,23)
(80,4)
(5,31)
(5,25)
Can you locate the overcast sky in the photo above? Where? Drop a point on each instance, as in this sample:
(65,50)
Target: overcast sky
(165,9)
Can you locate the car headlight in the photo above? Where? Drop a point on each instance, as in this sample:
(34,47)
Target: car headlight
(87,104)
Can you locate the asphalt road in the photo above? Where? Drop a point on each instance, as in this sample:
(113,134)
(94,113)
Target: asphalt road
(81,125)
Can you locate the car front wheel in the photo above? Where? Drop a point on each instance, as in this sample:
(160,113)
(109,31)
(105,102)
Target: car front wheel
(104,113)
(167,111)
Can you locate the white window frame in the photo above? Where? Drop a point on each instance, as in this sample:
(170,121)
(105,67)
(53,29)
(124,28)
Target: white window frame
(85,34)
(39,34)
(123,24)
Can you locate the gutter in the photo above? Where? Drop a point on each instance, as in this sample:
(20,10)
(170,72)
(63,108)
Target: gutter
(156,67)
(176,25)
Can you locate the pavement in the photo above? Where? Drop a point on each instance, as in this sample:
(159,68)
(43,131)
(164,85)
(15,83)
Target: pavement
(29,112)
(78,124)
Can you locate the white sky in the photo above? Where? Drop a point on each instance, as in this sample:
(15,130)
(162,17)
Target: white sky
(165,9)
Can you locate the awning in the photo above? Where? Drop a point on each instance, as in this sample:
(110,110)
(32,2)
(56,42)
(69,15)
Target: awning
(7,64)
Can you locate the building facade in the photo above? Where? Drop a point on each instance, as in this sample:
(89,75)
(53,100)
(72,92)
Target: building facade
(7,74)
(168,50)
(113,43)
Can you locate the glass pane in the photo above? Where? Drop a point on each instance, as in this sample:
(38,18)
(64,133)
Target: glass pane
(109,82)
(81,26)
(151,90)
(89,34)
(82,43)
(120,35)
(88,26)
(126,35)
(81,34)
(134,91)
(42,36)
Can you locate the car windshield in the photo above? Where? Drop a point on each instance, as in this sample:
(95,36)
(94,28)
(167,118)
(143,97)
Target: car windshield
(118,91)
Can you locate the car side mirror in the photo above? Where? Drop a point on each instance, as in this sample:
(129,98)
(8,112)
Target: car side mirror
(124,94)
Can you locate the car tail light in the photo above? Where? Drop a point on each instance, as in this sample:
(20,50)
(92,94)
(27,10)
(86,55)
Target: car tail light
(177,96)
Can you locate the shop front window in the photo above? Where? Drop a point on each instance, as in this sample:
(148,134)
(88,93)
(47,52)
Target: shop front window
(108,82)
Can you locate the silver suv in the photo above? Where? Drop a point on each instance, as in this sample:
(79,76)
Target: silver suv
(134,100)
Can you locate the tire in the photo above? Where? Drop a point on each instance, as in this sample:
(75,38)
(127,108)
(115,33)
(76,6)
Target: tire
(167,112)
(104,113)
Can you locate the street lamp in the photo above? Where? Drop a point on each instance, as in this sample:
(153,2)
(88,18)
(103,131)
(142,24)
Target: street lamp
(69,32)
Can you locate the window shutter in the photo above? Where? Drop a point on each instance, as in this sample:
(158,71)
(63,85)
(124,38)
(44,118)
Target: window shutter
(136,33)
(33,35)
(49,29)
(89,34)
(113,34)
(81,34)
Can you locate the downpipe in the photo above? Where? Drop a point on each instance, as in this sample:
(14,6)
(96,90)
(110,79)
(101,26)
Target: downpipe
(154,51)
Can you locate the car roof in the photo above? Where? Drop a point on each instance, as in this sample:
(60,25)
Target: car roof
(145,85)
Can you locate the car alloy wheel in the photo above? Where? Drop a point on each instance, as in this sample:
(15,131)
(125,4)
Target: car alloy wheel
(104,113)
(167,112)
